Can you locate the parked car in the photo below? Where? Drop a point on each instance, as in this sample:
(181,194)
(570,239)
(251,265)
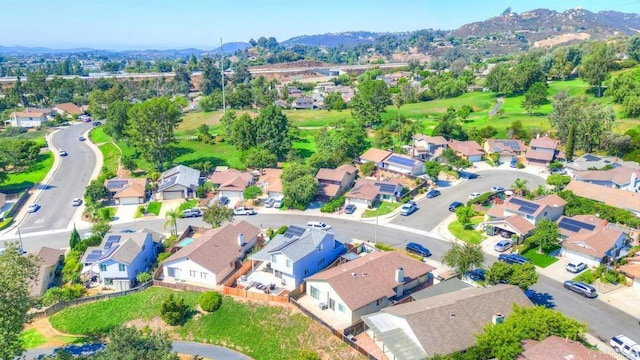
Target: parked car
(277,204)
(581,288)
(319,225)
(242,210)
(433,193)
(62,153)
(558,171)
(269,202)
(81,138)
(467,175)
(350,209)
(502,246)
(476,274)
(223,200)
(96,123)
(625,346)
(84,118)
(474,195)
(497,188)
(408,208)
(454,205)
(514,163)
(415,248)
(195,212)
(33,208)
(513,259)
(505,234)
(576,266)
(76,202)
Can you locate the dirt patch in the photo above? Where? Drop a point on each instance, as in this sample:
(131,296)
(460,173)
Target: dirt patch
(53,337)
(560,39)
(155,324)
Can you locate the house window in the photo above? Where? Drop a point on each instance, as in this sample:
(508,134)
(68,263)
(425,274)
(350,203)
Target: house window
(273,258)
(341,308)
(146,259)
(306,271)
(530,217)
(103,267)
(378,302)
(122,267)
(203,275)
(288,263)
(321,261)
(142,247)
(108,282)
(315,293)
(193,273)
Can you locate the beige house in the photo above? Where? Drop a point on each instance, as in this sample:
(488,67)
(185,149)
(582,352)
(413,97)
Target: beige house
(555,347)
(271,183)
(231,182)
(376,156)
(622,199)
(332,183)
(127,191)
(469,150)
(68,109)
(49,261)
(370,192)
(508,149)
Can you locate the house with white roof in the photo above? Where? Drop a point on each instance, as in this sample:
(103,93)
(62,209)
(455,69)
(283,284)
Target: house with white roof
(179,182)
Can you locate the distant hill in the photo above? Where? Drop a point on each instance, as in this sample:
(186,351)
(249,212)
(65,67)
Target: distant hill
(24,50)
(229,48)
(333,39)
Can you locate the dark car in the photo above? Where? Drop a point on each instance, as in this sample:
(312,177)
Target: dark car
(467,175)
(581,288)
(223,200)
(476,274)
(350,209)
(433,193)
(454,205)
(96,123)
(81,138)
(417,249)
(513,259)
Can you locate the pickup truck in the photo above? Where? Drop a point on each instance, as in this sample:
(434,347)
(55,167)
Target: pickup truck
(626,347)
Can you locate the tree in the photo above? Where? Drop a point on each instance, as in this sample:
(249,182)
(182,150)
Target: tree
(171,220)
(95,191)
(243,132)
(545,235)
(633,49)
(151,129)
(252,192)
(211,102)
(334,101)
(211,76)
(449,127)
(463,257)
(535,97)
(561,67)
(16,271)
(571,143)
(100,229)
(558,180)
(258,158)
(299,184)
(595,67)
(227,121)
(117,118)
(432,169)
(217,214)
(370,102)
(173,311)
(523,276)
(129,343)
(74,239)
(128,162)
(210,301)
(272,131)
(464,215)
(520,186)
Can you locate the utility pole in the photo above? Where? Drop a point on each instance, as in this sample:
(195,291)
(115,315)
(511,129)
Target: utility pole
(20,239)
(224,104)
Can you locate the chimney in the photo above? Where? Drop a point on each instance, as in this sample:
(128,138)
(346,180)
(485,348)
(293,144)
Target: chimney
(498,318)
(400,275)
(241,239)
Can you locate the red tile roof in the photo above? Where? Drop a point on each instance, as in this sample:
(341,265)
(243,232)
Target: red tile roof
(544,142)
(593,243)
(539,155)
(70,108)
(375,155)
(557,348)
(466,148)
(618,198)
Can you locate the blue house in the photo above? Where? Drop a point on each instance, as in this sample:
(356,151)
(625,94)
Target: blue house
(121,257)
(301,252)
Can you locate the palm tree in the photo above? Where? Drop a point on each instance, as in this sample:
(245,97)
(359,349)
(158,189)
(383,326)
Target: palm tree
(172,217)
(463,257)
(520,186)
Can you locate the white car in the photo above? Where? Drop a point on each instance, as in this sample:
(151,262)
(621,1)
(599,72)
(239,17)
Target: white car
(33,208)
(76,202)
(498,188)
(474,195)
(576,266)
(244,211)
(318,225)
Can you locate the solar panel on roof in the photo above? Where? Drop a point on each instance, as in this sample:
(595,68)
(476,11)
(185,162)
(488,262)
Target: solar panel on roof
(387,188)
(575,225)
(590,157)
(527,209)
(108,252)
(294,231)
(116,184)
(400,160)
(92,258)
(113,238)
(108,245)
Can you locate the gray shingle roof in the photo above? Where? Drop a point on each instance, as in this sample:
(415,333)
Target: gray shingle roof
(297,247)
(181,175)
(444,287)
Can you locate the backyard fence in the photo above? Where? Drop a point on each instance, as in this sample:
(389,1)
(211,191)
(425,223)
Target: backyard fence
(236,274)
(252,295)
(182,286)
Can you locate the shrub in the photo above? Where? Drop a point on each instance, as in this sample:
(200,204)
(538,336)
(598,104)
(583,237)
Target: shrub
(143,277)
(333,205)
(162,257)
(384,247)
(200,192)
(57,294)
(367,168)
(210,301)
(283,229)
(6,222)
(173,311)
(520,165)
(587,277)
(105,214)
(169,241)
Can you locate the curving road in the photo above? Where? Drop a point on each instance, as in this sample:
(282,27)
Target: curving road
(69,181)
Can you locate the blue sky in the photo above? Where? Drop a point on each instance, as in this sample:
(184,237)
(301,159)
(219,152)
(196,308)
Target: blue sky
(161,24)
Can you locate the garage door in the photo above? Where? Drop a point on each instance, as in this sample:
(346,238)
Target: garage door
(169,195)
(129,200)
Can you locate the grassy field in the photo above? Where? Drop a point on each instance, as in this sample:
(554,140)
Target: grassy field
(260,331)
(541,260)
(189,204)
(98,136)
(34,174)
(154,207)
(110,156)
(32,338)
(384,208)
(469,234)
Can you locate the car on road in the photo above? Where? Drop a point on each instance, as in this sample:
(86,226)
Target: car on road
(62,153)
(454,205)
(513,259)
(33,208)
(476,274)
(497,188)
(625,346)
(223,200)
(350,209)
(474,195)
(433,193)
(408,208)
(318,225)
(269,202)
(195,212)
(575,266)
(96,123)
(81,138)
(502,246)
(76,202)
(84,118)
(581,288)
(415,248)
(243,210)
(467,175)
(277,204)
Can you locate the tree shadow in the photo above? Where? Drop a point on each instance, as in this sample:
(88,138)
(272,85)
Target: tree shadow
(214,161)
(304,153)
(539,298)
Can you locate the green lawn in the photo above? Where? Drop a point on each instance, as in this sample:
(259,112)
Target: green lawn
(257,330)
(469,234)
(154,207)
(541,260)
(110,156)
(384,208)
(189,204)
(34,174)
(98,136)
(32,338)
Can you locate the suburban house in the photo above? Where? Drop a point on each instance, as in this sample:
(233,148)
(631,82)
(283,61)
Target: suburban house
(346,92)
(369,192)
(302,103)
(231,182)
(441,324)
(443,287)
(301,252)
(403,164)
(293,91)
(121,257)
(376,156)
(519,216)
(50,262)
(620,177)
(26,119)
(332,183)
(271,183)
(367,284)
(621,199)
(428,147)
(590,162)
(179,182)
(323,87)
(68,109)
(469,150)
(508,149)
(632,270)
(588,239)
(555,347)
(542,151)
(127,191)
(212,255)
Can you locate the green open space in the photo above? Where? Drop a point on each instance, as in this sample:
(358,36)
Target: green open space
(154,207)
(32,338)
(383,208)
(98,136)
(33,175)
(110,156)
(542,260)
(468,233)
(188,204)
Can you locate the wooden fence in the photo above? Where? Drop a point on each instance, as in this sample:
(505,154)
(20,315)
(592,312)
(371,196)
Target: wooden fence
(252,295)
(182,286)
(236,274)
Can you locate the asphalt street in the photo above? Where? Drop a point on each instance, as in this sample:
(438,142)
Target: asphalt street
(68,182)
